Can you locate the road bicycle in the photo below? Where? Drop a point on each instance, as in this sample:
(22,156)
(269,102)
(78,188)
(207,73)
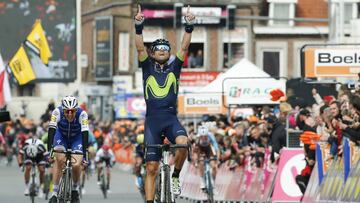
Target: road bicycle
(207,178)
(65,185)
(33,188)
(163,191)
(104,179)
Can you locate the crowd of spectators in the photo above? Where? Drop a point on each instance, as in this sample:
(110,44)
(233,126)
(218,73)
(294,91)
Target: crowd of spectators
(238,136)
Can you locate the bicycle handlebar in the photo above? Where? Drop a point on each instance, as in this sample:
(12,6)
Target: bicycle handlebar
(69,151)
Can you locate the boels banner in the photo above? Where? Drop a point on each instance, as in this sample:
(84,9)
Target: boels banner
(331,62)
(198,103)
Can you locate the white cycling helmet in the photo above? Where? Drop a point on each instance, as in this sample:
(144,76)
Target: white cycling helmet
(69,102)
(203,130)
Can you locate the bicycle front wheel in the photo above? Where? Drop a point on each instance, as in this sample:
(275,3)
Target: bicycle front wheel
(32,192)
(210,188)
(167,184)
(103,186)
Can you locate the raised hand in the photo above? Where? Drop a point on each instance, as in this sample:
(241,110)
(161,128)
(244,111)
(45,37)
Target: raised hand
(189,17)
(139,17)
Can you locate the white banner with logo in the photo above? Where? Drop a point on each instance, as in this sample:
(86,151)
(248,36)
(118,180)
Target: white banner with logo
(206,15)
(240,91)
(202,104)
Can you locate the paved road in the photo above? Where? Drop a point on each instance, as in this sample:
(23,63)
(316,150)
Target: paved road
(123,190)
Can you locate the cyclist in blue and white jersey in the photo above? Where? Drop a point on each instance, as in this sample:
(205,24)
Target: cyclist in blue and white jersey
(68,129)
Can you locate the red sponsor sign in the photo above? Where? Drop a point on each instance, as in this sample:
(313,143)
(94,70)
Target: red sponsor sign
(197,78)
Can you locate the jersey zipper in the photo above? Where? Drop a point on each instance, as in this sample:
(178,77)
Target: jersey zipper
(69,131)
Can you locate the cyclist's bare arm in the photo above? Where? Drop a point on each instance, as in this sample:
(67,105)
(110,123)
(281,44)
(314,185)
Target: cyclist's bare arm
(139,40)
(187,35)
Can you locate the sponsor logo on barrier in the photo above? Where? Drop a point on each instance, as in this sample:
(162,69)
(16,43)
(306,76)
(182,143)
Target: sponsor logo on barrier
(332,62)
(291,163)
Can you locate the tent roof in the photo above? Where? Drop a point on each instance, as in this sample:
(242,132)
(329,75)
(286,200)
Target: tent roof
(243,69)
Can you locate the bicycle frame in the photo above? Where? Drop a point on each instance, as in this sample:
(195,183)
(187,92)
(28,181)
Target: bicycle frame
(209,187)
(64,193)
(104,177)
(166,194)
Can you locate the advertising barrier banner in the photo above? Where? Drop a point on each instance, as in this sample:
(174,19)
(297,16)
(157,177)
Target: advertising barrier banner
(247,183)
(290,165)
(196,103)
(240,91)
(323,159)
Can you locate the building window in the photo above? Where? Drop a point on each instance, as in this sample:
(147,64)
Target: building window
(238,40)
(282,9)
(27,90)
(271,57)
(195,56)
(237,53)
(351,12)
(271,63)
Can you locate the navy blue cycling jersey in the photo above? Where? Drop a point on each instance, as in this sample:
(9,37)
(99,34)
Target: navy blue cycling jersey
(160,85)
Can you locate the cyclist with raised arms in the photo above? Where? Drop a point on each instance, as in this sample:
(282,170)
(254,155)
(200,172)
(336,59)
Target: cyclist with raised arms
(160,85)
(68,129)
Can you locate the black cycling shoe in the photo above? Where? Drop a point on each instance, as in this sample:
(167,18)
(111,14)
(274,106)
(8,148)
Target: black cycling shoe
(75,196)
(53,199)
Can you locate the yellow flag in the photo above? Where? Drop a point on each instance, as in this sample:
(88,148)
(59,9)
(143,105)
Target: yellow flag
(36,40)
(21,67)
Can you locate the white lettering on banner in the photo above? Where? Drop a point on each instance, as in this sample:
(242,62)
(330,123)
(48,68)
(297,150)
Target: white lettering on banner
(59,63)
(193,79)
(205,15)
(342,57)
(251,91)
(289,172)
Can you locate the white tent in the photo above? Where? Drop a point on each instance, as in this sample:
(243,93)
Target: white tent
(244,83)
(244,68)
